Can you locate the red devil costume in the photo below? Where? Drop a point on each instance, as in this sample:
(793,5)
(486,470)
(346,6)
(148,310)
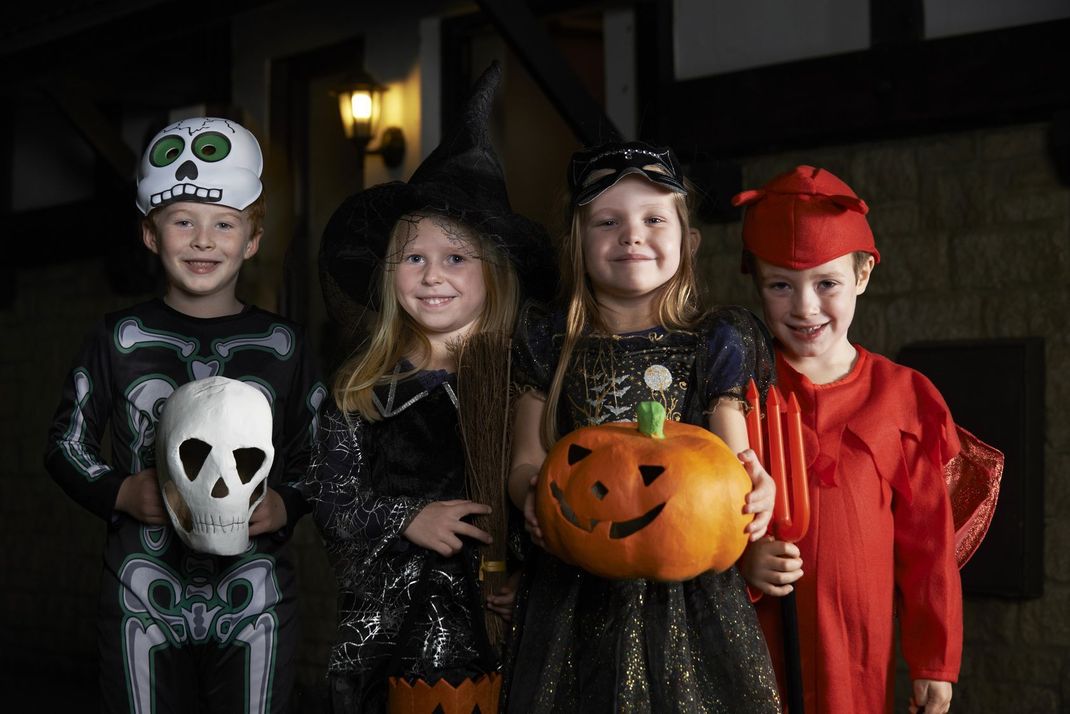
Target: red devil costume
(886,461)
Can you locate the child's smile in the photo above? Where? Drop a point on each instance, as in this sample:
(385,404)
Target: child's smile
(202,247)
(809,311)
(439,281)
(631,239)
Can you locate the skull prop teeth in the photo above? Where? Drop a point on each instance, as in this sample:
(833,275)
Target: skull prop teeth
(206,160)
(213,454)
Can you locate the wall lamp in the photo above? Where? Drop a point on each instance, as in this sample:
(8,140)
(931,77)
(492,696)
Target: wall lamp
(360,104)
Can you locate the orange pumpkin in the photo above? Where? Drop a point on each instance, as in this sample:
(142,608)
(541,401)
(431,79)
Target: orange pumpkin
(472,696)
(658,499)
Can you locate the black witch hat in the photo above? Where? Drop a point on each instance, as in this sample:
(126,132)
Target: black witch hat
(461,179)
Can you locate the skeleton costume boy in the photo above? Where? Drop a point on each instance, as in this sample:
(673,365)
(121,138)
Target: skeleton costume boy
(179,628)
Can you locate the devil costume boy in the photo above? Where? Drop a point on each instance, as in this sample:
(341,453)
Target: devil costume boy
(404,610)
(180,629)
(900,496)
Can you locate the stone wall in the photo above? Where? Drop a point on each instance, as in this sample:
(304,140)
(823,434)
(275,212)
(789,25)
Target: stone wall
(974,234)
(974,231)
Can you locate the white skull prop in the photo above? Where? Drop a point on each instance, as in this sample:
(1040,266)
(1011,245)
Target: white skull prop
(203,159)
(213,454)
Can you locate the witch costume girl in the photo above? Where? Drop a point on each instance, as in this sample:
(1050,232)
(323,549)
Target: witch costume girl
(438,259)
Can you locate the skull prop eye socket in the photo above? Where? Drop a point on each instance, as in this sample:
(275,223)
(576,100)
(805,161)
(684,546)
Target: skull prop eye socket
(211,146)
(248,462)
(166,151)
(193,453)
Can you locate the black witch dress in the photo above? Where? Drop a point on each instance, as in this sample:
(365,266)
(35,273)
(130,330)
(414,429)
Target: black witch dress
(402,609)
(582,643)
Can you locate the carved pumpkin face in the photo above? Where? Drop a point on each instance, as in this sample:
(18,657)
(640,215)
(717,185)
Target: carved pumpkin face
(472,696)
(620,503)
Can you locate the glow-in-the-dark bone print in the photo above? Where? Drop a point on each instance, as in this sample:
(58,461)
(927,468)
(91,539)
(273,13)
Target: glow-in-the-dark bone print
(280,341)
(144,400)
(130,335)
(162,610)
(73,444)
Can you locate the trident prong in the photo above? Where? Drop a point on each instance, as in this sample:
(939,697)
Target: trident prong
(791,509)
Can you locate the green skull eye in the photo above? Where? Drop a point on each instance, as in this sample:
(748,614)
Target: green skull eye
(166,150)
(211,146)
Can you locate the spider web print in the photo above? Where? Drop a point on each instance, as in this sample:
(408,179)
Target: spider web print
(377,572)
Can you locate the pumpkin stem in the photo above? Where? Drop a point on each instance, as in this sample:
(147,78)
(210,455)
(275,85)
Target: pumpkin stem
(651,419)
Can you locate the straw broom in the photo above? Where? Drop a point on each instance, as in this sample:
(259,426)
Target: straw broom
(483,384)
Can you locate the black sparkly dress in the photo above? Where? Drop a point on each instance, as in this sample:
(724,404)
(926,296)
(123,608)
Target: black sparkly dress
(402,609)
(582,643)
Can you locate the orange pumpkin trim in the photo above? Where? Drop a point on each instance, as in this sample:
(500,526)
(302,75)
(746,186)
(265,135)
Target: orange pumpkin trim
(658,499)
(478,696)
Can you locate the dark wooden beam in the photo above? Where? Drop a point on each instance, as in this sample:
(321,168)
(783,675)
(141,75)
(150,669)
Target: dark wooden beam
(1006,76)
(525,35)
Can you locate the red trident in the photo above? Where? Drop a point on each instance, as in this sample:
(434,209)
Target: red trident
(791,516)
(791,513)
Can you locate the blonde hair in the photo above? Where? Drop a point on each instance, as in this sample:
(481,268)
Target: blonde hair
(677,304)
(396,335)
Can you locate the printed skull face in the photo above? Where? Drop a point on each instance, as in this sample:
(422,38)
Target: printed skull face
(213,454)
(204,159)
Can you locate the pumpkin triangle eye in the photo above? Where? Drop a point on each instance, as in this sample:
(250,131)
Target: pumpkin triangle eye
(576,453)
(650,473)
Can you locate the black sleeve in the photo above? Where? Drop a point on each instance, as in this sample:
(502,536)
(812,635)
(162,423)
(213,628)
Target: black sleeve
(344,508)
(534,356)
(738,349)
(300,422)
(72,455)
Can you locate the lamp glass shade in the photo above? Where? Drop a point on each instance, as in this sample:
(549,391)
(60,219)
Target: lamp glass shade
(359,106)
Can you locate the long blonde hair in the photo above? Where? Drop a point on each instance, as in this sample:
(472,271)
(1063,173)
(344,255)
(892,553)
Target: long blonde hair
(677,302)
(396,335)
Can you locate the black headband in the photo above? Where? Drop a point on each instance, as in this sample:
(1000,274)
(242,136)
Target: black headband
(633,157)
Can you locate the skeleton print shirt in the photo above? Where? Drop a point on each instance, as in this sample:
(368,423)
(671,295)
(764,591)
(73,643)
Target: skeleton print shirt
(132,362)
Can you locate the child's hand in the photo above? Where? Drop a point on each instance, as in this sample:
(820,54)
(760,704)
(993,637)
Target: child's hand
(139,497)
(501,602)
(531,521)
(760,499)
(438,526)
(771,566)
(269,515)
(931,697)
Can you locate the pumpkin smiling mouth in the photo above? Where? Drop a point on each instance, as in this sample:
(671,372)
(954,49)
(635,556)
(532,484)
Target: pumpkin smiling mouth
(617,529)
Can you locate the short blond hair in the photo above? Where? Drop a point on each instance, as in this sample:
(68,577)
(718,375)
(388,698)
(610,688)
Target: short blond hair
(254,213)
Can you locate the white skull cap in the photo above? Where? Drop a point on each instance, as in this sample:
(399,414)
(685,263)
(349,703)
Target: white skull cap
(202,159)
(213,455)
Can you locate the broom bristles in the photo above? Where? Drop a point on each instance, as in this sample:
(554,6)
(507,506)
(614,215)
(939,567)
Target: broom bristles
(483,385)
